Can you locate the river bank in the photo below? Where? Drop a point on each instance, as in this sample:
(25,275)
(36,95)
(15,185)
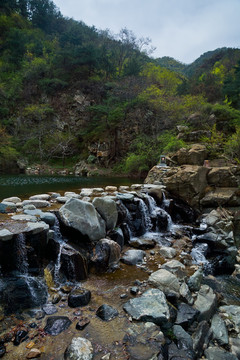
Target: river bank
(149,247)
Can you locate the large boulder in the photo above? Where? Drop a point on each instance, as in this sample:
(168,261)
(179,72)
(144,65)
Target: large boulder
(221,196)
(83,217)
(193,156)
(107,208)
(165,281)
(106,255)
(206,303)
(222,177)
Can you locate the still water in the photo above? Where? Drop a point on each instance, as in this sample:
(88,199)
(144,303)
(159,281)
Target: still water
(27,185)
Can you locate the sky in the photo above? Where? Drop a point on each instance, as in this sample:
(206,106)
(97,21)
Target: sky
(182,29)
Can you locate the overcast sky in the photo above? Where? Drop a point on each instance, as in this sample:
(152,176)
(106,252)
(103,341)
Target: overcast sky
(182,29)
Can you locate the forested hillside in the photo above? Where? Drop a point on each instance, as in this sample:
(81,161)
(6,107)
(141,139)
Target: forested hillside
(70,92)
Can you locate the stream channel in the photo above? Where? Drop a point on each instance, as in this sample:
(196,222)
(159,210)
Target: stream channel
(112,288)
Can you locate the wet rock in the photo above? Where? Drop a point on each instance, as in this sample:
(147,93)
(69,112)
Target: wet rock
(20,336)
(219,330)
(106,255)
(107,208)
(184,341)
(206,303)
(23,293)
(156,191)
(174,353)
(117,235)
(235,346)
(49,309)
(82,323)
(57,324)
(201,338)
(142,243)
(150,306)
(83,217)
(73,264)
(79,297)
(195,281)
(55,298)
(186,315)
(34,353)
(125,197)
(106,312)
(213,353)
(79,349)
(7,207)
(133,257)
(143,341)
(40,315)
(165,281)
(5,235)
(2,350)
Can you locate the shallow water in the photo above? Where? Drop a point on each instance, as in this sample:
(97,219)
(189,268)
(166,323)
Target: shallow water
(27,185)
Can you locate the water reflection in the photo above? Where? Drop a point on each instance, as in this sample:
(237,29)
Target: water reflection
(26,185)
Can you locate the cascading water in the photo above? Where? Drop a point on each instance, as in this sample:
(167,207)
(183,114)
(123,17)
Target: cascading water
(58,237)
(21,260)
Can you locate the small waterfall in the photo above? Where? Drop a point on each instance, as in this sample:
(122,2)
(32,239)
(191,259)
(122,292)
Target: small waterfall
(61,241)
(165,201)
(145,213)
(21,254)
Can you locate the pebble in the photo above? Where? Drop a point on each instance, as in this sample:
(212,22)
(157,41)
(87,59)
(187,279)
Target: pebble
(34,353)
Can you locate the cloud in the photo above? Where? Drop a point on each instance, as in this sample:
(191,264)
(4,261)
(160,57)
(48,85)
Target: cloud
(183,29)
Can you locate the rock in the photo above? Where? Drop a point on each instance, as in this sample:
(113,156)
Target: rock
(235,346)
(21,335)
(201,338)
(7,207)
(62,199)
(40,197)
(186,294)
(221,196)
(213,353)
(150,306)
(186,315)
(79,349)
(82,323)
(123,188)
(184,341)
(165,281)
(73,264)
(175,267)
(232,312)
(86,192)
(83,217)
(142,243)
(117,235)
(79,297)
(125,197)
(133,257)
(57,324)
(175,353)
(36,228)
(167,252)
(143,341)
(2,350)
(194,282)
(111,188)
(107,208)
(206,303)
(49,309)
(106,255)
(222,177)
(22,217)
(37,203)
(71,194)
(193,156)
(219,330)
(156,191)
(5,235)
(106,312)
(34,353)
(13,199)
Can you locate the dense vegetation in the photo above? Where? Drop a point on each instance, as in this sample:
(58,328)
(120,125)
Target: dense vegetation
(71,92)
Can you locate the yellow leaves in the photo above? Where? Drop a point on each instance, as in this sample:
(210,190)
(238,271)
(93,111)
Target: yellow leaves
(219,70)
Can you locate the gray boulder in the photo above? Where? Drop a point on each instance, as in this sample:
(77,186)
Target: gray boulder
(83,217)
(165,281)
(213,353)
(219,330)
(232,313)
(106,255)
(107,208)
(37,203)
(79,349)
(206,302)
(151,306)
(133,257)
(40,197)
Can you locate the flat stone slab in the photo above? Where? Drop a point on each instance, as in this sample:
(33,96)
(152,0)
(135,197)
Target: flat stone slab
(7,207)
(40,197)
(12,199)
(125,197)
(5,235)
(151,306)
(24,217)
